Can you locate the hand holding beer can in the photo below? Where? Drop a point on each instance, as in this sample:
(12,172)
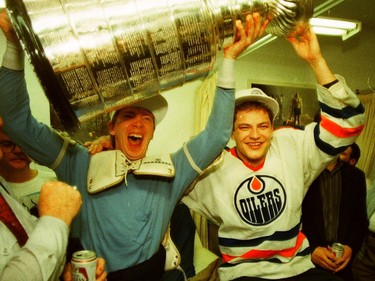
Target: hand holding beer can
(84,265)
(338,250)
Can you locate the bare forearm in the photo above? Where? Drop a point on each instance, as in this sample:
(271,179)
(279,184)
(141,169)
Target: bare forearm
(322,72)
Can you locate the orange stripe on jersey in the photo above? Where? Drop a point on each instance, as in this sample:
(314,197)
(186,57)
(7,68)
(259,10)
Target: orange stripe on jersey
(265,254)
(339,131)
(257,168)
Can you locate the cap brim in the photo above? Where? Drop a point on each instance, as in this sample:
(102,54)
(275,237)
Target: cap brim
(157,105)
(244,95)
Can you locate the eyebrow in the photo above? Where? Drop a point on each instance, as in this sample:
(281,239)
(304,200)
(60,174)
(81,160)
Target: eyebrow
(248,124)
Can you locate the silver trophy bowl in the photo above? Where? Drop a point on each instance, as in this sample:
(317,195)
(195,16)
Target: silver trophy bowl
(95,56)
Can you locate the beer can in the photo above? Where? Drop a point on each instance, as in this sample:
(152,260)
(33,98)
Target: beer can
(338,249)
(84,265)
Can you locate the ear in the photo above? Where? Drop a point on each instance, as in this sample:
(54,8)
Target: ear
(111,127)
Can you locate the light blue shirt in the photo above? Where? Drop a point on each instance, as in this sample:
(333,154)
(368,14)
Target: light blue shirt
(126,224)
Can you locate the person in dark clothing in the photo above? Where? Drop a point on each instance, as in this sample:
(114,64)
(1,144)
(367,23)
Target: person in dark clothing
(334,210)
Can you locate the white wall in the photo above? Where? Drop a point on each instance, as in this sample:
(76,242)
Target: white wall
(178,125)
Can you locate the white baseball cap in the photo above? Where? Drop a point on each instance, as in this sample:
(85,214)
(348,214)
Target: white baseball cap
(157,105)
(255,94)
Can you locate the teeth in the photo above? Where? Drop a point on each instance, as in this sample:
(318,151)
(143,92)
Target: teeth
(254,144)
(135,136)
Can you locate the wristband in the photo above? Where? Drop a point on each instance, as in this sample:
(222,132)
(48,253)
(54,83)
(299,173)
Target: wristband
(328,85)
(13,56)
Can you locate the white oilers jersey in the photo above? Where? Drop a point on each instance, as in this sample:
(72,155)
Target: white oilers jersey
(259,213)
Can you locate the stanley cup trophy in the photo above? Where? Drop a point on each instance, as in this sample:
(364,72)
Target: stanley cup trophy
(94,56)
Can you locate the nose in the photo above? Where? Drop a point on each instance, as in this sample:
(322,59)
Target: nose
(16,149)
(138,122)
(254,134)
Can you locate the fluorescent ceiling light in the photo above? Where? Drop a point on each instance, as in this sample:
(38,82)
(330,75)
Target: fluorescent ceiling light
(335,27)
(333,23)
(329,31)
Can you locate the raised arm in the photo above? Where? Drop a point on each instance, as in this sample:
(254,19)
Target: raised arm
(306,45)
(342,114)
(38,140)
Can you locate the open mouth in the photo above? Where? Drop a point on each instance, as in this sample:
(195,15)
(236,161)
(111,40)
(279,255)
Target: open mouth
(135,138)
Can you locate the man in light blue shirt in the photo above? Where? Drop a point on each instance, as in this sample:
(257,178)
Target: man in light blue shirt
(126,213)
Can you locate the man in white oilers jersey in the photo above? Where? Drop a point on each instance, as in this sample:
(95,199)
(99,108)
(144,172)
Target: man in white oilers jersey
(255,193)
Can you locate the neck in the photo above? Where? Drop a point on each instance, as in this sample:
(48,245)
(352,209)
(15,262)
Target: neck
(254,165)
(19,176)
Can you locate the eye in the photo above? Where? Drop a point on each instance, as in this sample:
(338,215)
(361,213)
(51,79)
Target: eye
(148,118)
(6,144)
(264,125)
(243,127)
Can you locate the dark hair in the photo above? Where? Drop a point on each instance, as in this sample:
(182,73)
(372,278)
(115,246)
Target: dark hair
(251,105)
(356,151)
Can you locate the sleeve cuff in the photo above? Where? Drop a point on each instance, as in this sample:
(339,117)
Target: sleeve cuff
(338,94)
(13,57)
(328,85)
(226,74)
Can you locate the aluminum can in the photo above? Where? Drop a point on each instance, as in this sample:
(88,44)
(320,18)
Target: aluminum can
(338,250)
(84,265)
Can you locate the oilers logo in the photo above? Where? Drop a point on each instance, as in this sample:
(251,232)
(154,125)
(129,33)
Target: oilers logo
(259,200)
